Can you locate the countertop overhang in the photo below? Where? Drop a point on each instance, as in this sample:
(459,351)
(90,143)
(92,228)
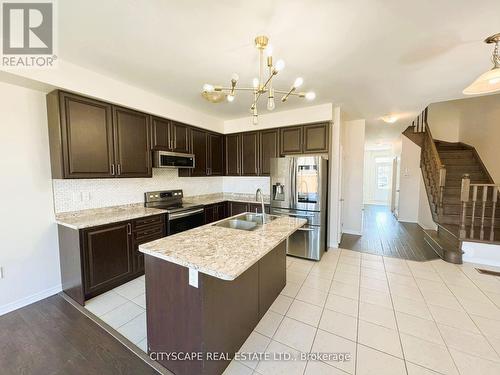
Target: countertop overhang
(221,252)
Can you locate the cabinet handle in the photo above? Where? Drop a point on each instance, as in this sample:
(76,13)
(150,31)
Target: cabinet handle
(129,229)
(175,143)
(112,169)
(119,169)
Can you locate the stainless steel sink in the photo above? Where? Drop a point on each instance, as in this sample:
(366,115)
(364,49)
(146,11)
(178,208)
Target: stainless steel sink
(237,224)
(256,218)
(246,221)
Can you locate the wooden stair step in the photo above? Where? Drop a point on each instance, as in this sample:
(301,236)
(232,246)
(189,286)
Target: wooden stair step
(446,249)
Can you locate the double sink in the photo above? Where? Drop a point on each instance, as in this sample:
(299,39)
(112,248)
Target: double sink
(246,221)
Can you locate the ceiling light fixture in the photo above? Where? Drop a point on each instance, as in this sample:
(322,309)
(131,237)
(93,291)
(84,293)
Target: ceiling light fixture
(260,85)
(390,119)
(488,82)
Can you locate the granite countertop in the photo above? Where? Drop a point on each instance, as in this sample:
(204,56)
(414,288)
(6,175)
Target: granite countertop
(222,252)
(106,215)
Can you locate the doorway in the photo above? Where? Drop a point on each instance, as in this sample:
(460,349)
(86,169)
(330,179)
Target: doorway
(378,177)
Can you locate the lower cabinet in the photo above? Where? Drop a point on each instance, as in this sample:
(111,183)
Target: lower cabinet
(236,208)
(95,260)
(215,212)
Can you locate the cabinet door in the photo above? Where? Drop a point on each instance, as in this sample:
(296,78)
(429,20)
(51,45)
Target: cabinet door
(179,135)
(256,207)
(291,140)
(236,208)
(220,211)
(316,138)
(87,137)
(108,257)
(199,149)
(132,148)
(210,214)
(250,154)
(232,154)
(216,165)
(268,148)
(160,132)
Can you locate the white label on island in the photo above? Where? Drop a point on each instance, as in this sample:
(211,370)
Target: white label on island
(193,278)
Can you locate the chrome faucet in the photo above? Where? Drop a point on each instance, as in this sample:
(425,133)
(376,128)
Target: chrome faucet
(261,203)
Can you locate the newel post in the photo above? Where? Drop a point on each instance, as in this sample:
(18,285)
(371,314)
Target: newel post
(464,198)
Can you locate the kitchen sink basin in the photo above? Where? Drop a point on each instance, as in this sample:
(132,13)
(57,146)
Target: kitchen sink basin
(246,221)
(238,224)
(256,218)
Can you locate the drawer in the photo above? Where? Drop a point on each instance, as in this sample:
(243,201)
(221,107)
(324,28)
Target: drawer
(156,231)
(148,221)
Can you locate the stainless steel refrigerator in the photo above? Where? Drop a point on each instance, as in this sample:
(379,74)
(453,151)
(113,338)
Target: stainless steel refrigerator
(299,188)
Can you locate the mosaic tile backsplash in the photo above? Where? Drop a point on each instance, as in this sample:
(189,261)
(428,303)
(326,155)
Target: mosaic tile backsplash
(81,194)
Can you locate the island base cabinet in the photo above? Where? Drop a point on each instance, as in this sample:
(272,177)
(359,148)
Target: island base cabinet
(215,317)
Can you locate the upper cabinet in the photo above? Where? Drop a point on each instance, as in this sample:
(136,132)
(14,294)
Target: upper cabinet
(199,147)
(232,154)
(306,139)
(170,136)
(81,136)
(215,154)
(250,154)
(208,154)
(93,139)
(131,141)
(268,148)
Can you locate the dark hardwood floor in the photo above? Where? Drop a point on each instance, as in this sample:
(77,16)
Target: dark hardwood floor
(384,235)
(52,337)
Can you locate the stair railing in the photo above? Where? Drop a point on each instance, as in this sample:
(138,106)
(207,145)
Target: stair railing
(431,162)
(488,198)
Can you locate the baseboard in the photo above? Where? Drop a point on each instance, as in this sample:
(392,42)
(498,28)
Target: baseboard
(29,299)
(350,231)
(402,219)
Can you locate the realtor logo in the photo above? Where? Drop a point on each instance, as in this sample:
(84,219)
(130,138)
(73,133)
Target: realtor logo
(27,34)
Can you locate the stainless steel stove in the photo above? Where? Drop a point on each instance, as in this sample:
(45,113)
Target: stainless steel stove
(180,216)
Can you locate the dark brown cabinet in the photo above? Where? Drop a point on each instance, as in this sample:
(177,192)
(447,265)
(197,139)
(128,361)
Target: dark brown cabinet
(170,136)
(232,154)
(306,139)
(81,136)
(215,163)
(132,155)
(250,154)
(316,138)
(199,147)
(268,148)
(257,207)
(215,212)
(108,257)
(95,260)
(236,208)
(93,139)
(291,140)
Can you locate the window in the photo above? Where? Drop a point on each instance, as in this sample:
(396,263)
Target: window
(383,176)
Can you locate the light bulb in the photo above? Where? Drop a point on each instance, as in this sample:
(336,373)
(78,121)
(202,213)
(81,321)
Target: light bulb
(298,82)
(208,88)
(230,98)
(269,50)
(255,83)
(235,77)
(255,120)
(280,65)
(270,103)
(310,95)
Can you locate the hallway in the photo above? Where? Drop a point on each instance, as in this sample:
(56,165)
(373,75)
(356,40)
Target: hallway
(384,235)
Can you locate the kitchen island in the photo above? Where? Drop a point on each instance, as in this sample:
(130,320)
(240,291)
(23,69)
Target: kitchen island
(207,288)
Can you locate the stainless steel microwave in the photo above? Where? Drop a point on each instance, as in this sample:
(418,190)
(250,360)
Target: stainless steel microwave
(166,159)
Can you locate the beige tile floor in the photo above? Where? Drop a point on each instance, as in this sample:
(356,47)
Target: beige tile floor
(393,316)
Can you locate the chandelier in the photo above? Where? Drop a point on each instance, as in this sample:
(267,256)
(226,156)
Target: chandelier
(262,86)
(488,82)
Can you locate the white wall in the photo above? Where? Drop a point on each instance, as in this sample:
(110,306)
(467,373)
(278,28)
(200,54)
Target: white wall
(444,121)
(317,113)
(335,180)
(29,254)
(409,186)
(352,179)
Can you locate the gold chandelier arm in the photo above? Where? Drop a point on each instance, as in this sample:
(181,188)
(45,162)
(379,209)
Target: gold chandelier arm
(223,89)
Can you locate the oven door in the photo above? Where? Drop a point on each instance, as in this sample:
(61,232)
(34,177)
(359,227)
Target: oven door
(180,221)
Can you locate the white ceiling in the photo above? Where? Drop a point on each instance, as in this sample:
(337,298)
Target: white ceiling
(373,57)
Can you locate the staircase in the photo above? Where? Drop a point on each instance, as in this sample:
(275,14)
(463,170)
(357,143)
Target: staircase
(461,193)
